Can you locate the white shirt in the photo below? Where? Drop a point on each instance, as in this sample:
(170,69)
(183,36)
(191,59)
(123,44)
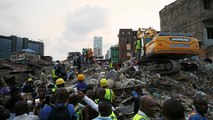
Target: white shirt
(26,117)
(92,104)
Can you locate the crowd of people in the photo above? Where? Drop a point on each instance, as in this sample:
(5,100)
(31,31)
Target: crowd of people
(57,101)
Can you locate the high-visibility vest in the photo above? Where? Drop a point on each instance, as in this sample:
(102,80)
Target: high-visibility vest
(113,116)
(139,117)
(53,74)
(111,65)
(78,110)
(138,44)
(109,95)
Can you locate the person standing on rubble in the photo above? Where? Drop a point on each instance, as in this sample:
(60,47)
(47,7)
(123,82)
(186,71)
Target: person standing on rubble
(81,86)
(201,108)
(44,78)
(109,92)
(146,111)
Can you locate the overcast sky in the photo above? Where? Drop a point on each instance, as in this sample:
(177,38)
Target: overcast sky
(70,25)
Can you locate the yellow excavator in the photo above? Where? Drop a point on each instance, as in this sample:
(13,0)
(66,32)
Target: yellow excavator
(162,51)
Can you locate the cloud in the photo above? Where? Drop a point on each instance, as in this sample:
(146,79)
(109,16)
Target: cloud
(87,19)
(79,25)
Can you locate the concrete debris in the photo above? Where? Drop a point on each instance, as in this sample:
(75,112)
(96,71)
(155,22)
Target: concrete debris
(182,85)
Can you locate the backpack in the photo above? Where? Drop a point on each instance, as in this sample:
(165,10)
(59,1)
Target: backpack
(59,112)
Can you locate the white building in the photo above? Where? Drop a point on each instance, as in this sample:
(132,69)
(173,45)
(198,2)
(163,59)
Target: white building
(97,46)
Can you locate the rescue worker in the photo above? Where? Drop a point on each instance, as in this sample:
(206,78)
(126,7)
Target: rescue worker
(111,65)
(94,106)
(60,83)
(105,111)
(138,47)
(73,99)
(29,87)
(54,76)
(201,108)
(109,93)
(81,86)
(146,110)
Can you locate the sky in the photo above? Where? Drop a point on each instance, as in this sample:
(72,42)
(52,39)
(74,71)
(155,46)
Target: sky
(70,25)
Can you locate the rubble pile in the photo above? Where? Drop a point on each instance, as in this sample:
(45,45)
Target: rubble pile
(182,85)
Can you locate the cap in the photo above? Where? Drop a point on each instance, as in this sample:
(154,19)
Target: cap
(103,82)
(80,77)
(60,81)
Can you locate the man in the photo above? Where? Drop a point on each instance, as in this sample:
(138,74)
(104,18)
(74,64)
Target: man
(4,113)
(73,99)
(43,77)
(136,94)
(138,48)
(109,93)
(21,110)
(41,99)
(146,111)
(173,110)
(82,86)
(60,83)
(105,110)
(61,98)
(201,108)
(100,94)
(90,113)
(29,87)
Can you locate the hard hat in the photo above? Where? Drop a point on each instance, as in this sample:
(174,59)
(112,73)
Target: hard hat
(103,82)
(29,79)
(59,81)
(80,77)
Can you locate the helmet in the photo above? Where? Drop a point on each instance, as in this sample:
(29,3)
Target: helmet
(80,77)
(59,81)
(29,79)
(103,82)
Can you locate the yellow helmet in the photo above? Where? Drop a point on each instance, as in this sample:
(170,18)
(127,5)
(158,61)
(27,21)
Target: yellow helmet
(59,81)
(29,79)
(103,82)
(80,77)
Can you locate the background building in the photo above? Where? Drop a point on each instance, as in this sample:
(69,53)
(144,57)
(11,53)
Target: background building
(97,46)
(12,44)
(114,53)
(189,16)
(126,44)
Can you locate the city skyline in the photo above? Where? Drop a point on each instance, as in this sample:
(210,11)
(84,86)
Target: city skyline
(66,26)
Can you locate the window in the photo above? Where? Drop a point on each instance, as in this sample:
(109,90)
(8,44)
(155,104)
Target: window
(127,42)
(123,33)
(207,4)
(210,32)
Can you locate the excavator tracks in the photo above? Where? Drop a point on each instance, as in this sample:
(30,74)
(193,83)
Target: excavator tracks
(164,66)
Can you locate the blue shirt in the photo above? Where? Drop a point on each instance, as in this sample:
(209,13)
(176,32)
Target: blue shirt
(45,111)
(196,116)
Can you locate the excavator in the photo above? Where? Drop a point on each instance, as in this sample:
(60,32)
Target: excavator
(163,51)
